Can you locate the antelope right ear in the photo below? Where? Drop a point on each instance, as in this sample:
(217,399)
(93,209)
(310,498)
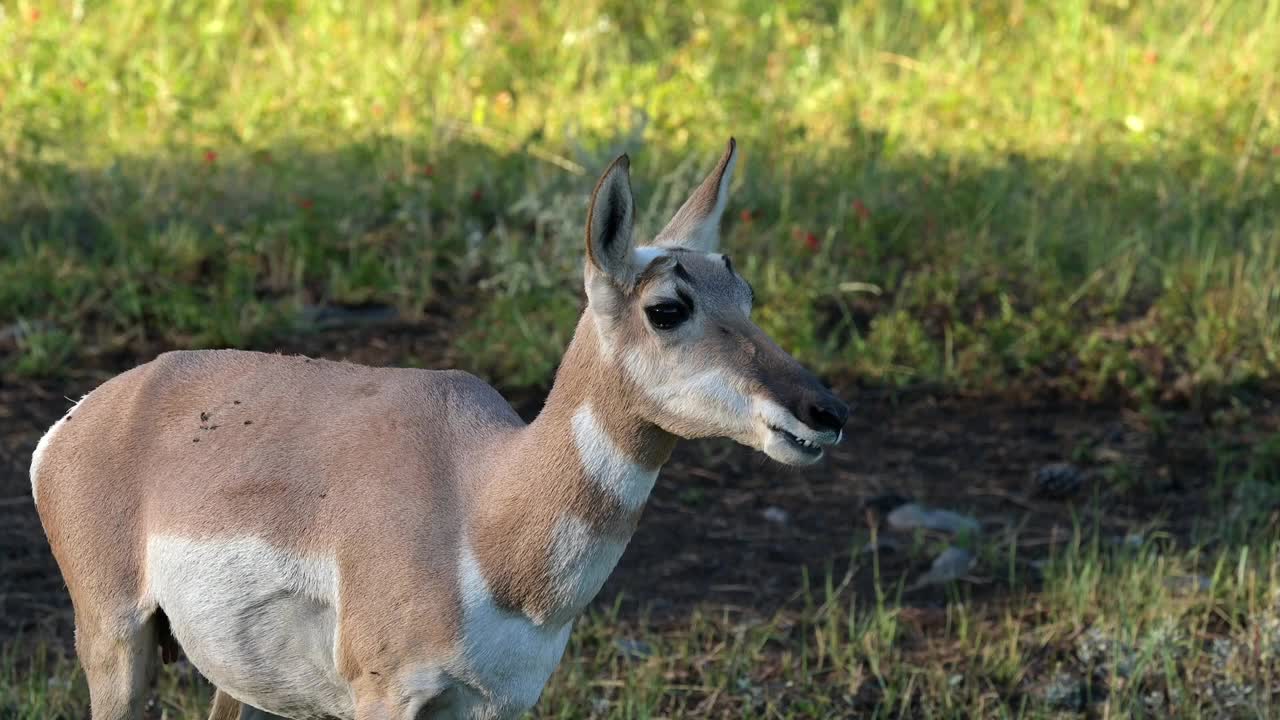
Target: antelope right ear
(696,225)
(609,223)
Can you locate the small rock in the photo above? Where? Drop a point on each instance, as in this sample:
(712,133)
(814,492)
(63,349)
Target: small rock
(1230,694)
(1093,646)
(633,649)
(951,565)
(21,330)
(912,516)
(882,544)
(1106,655)
(58,683)
(1188,584)
(1163,700)
(776,515)
(1221,652)
(1066,692)
(1059,480)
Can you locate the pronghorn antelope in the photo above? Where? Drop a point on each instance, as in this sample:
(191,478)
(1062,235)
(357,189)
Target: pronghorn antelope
(324,539)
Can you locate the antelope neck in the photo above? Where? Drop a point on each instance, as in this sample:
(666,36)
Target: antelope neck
(565,492)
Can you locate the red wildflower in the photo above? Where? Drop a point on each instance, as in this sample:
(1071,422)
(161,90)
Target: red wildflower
(747,216)
(1151,56)
(35,14)
(427,170)
(210,157)
(861,210)
(477,195)
(306,203)
(811,242)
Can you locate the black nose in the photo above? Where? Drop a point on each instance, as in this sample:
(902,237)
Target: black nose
(828,414)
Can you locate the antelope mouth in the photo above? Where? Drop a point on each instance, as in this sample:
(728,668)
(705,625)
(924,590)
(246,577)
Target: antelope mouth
(807,447)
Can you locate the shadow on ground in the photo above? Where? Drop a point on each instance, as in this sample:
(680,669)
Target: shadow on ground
(135,258)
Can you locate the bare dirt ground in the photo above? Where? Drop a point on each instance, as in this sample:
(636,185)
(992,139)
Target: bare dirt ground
(726,528)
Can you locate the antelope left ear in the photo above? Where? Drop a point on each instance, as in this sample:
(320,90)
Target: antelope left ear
(696,225)
(609,223)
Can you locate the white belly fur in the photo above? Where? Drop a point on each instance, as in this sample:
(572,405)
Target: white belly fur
(258,622)
(261,624)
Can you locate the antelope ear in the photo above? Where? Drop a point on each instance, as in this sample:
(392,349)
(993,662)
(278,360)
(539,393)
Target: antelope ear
(696,225)
(609,223)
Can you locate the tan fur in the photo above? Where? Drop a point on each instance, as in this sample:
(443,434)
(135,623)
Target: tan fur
(224,707)
(386,470)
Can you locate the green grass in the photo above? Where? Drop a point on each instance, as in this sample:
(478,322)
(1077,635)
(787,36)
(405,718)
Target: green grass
(1108,630)
(1083,193)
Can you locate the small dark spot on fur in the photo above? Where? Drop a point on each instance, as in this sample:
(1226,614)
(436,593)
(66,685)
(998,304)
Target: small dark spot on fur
(68,418)
(306,360)
(213,427)
(235,402)
(322,495)
(195,439)
(248,422)
(374,672)
(204,416)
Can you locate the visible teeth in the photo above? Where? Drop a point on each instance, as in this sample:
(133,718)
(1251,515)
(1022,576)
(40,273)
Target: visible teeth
(807,444)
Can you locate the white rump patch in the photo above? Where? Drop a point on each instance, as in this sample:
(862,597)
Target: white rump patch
(607,465)
(258,621)
(505,655)
(37,457)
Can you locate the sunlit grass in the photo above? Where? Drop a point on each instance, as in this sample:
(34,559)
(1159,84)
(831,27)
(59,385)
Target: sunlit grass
(1079,192)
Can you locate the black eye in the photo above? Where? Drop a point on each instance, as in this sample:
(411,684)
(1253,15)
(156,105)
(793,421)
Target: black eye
(667,315)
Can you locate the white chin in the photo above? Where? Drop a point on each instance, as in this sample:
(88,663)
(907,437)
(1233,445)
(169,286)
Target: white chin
(786,452)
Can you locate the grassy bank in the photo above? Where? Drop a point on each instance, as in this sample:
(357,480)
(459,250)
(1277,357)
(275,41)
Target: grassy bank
(1081,192)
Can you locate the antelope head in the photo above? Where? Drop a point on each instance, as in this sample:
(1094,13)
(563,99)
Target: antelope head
(674,318)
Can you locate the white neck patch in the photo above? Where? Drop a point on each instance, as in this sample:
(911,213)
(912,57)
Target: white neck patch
(607,465)
(580,562)
(504,654)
